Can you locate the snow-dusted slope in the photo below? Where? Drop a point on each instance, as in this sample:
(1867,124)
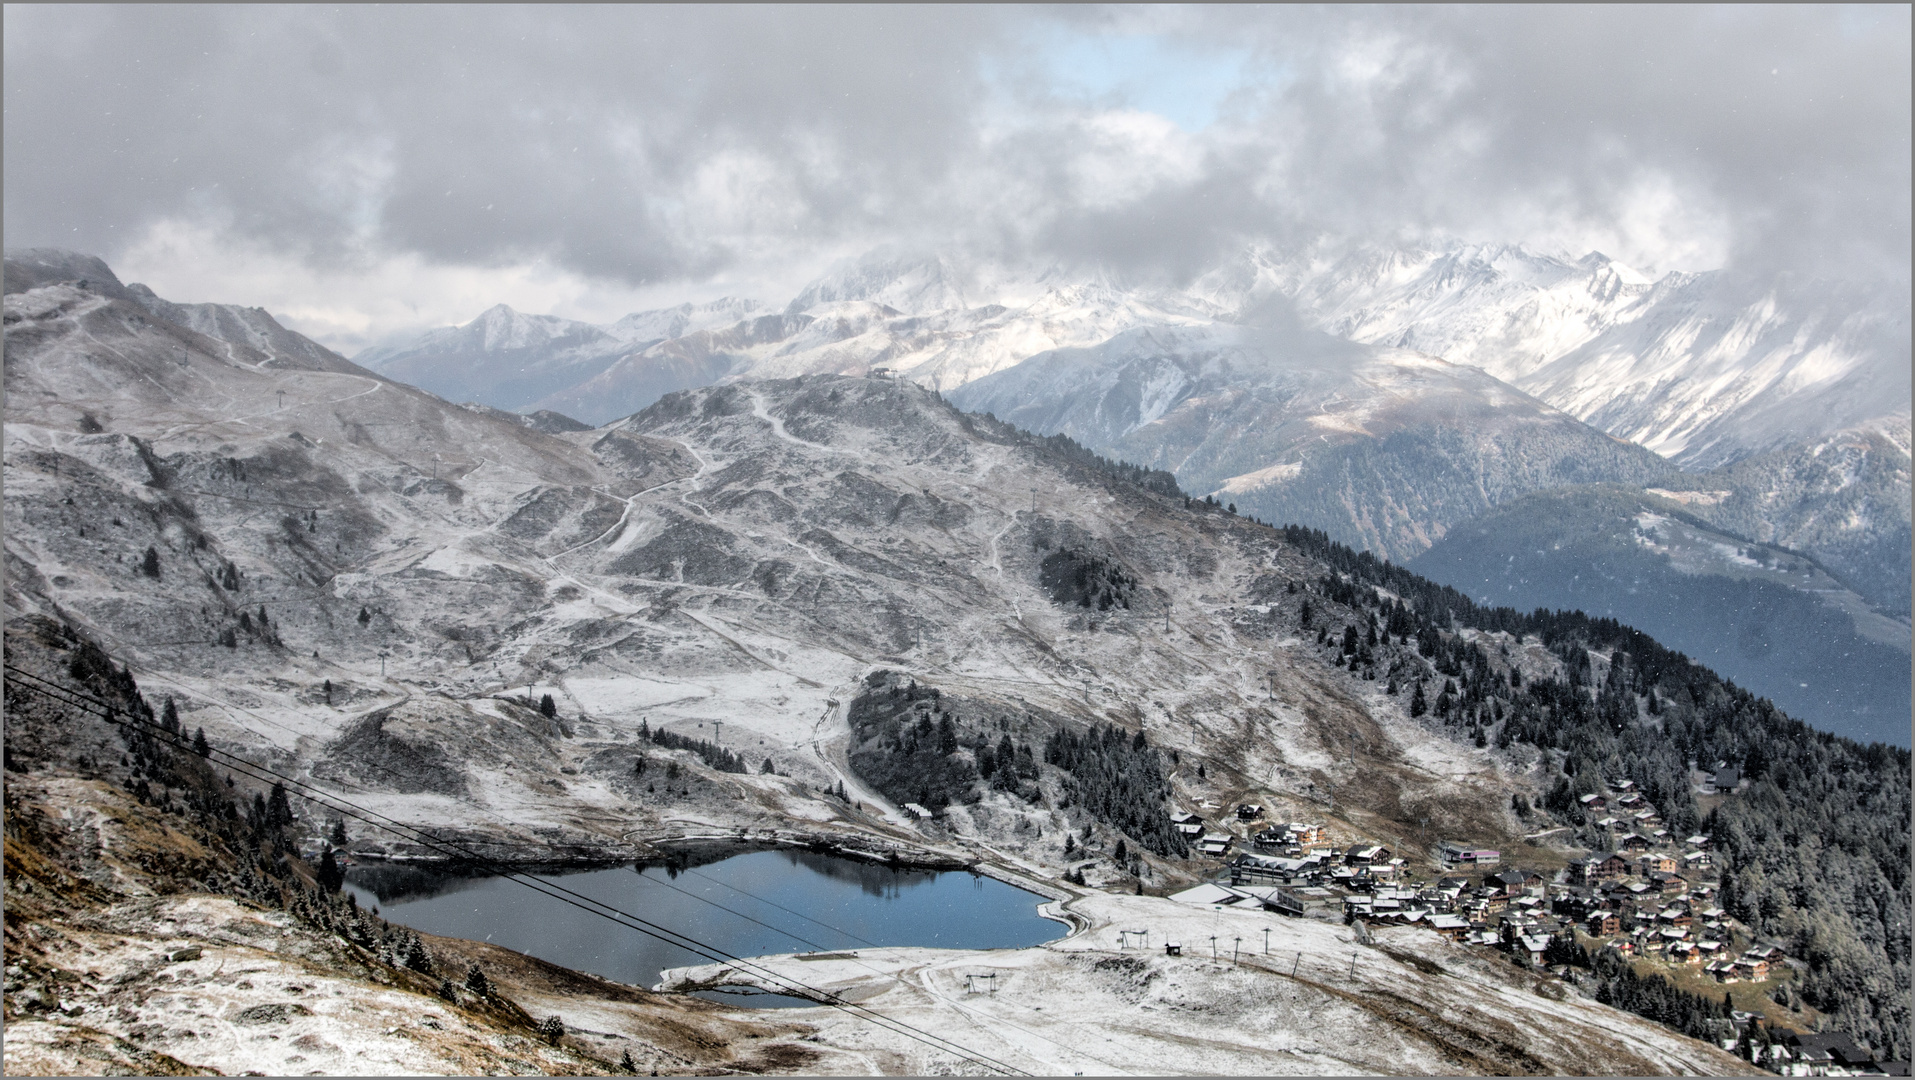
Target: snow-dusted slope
(1383,448)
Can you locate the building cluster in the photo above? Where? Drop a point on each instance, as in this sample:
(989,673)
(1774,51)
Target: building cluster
(1654,896)
(1822,1053)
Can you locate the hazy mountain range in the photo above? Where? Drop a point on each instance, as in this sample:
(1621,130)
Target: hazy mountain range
(1233,386)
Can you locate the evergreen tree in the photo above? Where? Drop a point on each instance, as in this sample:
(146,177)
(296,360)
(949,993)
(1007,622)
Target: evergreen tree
(331,877)
(547,707)
(1418,706)
(279,811)
(200,746)
(768,768)
(339,831)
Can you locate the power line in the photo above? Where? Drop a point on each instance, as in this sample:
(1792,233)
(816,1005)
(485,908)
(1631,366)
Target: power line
(585,903)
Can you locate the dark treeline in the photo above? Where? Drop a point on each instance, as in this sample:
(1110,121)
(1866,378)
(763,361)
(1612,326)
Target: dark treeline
(913,744)
(1815,851)
(1069,450)
(1157,480)
(711,753)
(1119,780)
(1650,996)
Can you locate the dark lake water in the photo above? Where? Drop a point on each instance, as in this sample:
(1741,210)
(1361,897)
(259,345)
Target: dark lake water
(747,905)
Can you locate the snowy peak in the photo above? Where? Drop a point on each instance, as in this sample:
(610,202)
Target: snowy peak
(911,284)
(645,327)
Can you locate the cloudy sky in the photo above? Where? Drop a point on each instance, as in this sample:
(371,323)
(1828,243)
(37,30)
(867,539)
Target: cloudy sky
(364,171)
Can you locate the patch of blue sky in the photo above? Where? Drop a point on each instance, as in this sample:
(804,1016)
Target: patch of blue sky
(1185,83)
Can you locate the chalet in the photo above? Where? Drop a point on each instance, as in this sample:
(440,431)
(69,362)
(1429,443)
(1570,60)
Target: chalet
(1655,861)
(1215,844)
(1509,883)
(1608,823)
(917,811)
(1604,923)
(1751,968)
(1594,802)
(1453,927)
(1696,860)
(1251,869)
(1699,842)
(1188,824)
(1306,836)
(1630,801)
(1455,854)
(1601,868)
(1366,855)
(1633,842)
(1272,839)
(1623,785)
(1249,811)
(1727,778)
(1535,945)
(1828,1053)
(1668,883)
(1675,916)
(1622,945)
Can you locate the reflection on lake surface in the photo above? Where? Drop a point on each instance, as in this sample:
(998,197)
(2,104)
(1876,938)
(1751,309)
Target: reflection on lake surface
(746,905)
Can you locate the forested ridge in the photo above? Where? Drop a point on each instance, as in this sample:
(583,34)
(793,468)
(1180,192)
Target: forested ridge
(1815,850)
(917,744)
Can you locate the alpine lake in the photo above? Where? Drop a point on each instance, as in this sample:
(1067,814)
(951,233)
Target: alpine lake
(751,904)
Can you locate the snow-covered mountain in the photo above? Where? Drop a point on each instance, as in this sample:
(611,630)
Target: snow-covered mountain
(1383,448)
(1703,368)
(511,360)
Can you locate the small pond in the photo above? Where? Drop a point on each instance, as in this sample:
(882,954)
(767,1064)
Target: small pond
(751,904)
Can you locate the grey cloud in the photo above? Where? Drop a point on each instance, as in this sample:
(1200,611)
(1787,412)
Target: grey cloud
(668,143)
